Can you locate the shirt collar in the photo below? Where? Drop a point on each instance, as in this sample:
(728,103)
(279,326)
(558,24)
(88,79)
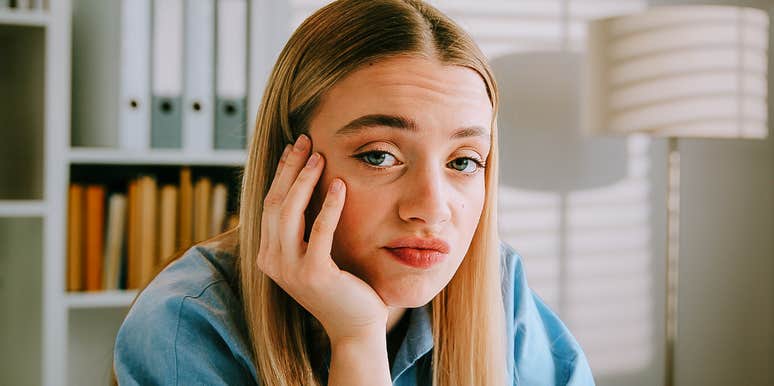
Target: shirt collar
(417,342)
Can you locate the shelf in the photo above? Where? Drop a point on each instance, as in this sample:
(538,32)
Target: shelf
(90,336)
(104,299)
(21,299)
(22,208)
(156,157)
(22,126)
(29,18)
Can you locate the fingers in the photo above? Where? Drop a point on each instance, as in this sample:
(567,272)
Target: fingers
(265,228)
(282,160)
(285,176)
(321,236)
(291,215)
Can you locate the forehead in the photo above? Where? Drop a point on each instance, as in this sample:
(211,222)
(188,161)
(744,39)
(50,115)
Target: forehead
(436,96)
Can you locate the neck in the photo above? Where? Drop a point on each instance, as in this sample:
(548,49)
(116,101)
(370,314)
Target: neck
(394,317)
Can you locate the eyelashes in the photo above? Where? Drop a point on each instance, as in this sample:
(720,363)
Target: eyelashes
(380,159)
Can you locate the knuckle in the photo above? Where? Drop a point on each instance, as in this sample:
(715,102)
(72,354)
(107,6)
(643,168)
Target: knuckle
(321,226)
(272,200)
(293,160)
(304,176)
(285,213)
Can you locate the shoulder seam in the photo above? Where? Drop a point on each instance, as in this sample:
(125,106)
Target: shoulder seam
(179,316)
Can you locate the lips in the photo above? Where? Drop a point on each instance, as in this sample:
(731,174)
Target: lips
(418,252)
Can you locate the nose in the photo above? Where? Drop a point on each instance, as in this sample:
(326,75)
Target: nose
(425,198)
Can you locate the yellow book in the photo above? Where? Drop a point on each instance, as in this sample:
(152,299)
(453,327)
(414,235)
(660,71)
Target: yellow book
(133,237)
(148,228)
(167,222)
(233,221)
(202,192)
(218,208)
(114,240)
(185,210)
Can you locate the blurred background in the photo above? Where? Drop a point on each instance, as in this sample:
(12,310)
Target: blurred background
(118,141)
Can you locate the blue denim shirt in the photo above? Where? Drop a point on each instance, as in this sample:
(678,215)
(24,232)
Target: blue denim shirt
(187,328)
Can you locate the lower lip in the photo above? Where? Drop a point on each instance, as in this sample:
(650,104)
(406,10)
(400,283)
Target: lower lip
(417,258)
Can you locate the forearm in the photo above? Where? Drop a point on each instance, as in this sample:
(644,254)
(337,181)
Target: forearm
(360,362)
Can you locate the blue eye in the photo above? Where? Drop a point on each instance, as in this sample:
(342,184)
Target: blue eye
(465,164)
(378,158)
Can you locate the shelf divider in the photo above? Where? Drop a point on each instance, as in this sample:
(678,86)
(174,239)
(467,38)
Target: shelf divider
(156,157)
(102,299)
(22,208)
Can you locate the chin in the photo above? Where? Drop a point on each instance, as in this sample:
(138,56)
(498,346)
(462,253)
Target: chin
(407,296)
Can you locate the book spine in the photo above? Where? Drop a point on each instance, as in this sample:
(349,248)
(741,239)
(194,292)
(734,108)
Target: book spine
(95,216)
(75,238)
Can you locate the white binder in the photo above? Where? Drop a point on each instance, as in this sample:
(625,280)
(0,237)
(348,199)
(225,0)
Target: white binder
(134,100)
(167,77)
(199,93)
(231,74)
(268,23)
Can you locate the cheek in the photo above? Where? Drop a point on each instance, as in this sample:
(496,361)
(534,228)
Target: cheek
(470,203)
(365,208)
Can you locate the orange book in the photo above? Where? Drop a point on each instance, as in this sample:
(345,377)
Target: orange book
(185,210)
(202,193)
(132,239)
(95,236)
(167,222)
(75,238)
(148,254)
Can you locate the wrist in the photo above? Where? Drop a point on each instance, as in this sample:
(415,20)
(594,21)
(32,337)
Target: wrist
(358,360)
(370,337)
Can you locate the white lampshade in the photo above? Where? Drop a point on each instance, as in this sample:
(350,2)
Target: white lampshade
(678,71)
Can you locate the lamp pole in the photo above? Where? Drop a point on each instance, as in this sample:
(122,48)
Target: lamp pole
(672,258)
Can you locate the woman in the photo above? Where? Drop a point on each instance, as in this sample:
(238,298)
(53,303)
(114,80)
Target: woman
(367,250)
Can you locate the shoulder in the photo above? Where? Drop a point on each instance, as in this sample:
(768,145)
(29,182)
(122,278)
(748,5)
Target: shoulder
(545,351)
(186,323)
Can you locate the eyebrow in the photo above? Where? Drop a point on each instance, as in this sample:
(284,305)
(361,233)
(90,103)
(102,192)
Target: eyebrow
(357,125)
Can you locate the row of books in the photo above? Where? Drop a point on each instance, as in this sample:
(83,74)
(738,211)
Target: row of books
(120,241)
(181,71)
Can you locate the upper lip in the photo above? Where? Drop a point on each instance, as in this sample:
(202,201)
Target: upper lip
(419,243)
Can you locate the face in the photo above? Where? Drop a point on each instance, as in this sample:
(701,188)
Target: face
(409,137)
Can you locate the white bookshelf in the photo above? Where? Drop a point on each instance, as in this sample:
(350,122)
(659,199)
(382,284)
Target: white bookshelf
(53,337)
(35,94)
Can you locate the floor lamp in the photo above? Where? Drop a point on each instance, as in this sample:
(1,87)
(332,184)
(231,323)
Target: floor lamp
(694,71)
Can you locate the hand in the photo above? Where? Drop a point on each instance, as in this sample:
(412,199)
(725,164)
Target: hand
(345,305)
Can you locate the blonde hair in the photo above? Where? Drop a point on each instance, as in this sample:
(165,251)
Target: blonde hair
(468,320)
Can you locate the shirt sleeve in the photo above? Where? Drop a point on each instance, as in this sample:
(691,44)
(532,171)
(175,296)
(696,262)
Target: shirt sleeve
(572,367)
(544,350)
(178,340)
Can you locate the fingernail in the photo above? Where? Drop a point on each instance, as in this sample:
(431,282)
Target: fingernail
(301,143)
(312,161)
(336,185)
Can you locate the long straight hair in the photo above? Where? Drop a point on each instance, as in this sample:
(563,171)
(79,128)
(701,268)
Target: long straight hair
(468,320)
